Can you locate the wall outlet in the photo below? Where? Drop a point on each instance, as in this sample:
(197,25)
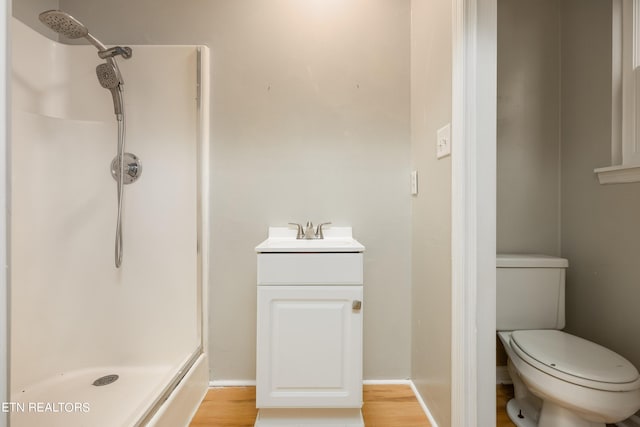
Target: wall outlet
(414,183)
(443,143)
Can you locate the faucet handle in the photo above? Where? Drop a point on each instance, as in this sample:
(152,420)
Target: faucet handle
(300,233)
(319,234)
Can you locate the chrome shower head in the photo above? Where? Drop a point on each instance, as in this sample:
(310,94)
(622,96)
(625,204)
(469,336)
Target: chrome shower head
(68,26)
(63,23)
(108,73)
(109,78)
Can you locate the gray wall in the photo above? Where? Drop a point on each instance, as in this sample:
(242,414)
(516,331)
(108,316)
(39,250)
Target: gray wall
(295,89)
(600,223)
(528,205)
(27,11)
(431,208)
(309,120)
(554,60)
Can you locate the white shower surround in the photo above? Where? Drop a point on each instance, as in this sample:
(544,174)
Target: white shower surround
(74,317)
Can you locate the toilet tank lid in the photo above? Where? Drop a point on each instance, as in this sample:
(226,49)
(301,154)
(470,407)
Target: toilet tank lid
(530,261)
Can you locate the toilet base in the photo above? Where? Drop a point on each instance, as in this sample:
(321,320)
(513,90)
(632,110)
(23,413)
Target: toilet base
(523,412)
(553,415)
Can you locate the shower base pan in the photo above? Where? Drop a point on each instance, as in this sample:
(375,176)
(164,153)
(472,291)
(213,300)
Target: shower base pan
(71,399)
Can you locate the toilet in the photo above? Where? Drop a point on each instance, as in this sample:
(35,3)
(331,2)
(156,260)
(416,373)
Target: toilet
(560,380)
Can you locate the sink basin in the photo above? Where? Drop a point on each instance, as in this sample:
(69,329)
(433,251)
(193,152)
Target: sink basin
(336,239)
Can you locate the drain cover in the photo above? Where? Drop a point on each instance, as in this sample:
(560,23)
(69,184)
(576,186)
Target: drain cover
(106,380)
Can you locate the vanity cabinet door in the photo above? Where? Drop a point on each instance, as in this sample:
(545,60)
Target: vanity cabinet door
(309,349)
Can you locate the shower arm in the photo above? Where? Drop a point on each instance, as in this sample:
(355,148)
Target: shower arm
(94,41)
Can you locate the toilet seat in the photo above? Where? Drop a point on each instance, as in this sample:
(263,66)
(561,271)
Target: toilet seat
(575,360)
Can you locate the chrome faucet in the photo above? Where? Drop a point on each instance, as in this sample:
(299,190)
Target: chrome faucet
(307,232)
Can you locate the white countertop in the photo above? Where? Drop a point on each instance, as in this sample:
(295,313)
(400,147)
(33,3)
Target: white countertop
(336,239)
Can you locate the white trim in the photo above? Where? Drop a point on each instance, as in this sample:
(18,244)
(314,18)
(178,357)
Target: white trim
(617,38)
(204,196)
(232,383)
(473,213)
(5,12)
(618,174)
(636,27)
(423,405)
(252,383)
(625,92)
(463,309)
(485,180)
(629,85)
(387,382)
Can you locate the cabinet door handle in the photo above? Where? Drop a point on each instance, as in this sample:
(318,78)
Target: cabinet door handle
(356,305)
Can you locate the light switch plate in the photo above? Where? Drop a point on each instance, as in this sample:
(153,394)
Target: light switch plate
(443,143)
(414,183)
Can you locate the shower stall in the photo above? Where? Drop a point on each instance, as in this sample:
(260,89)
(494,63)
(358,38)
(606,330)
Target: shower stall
(92,344)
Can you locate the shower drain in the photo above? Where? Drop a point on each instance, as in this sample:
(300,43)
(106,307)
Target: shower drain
(106,380)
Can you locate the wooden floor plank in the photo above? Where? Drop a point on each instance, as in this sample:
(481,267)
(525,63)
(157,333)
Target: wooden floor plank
(504,392)
(391,406)
(227,407)
(384,406)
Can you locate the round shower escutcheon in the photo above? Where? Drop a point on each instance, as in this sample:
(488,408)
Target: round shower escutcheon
(132,168)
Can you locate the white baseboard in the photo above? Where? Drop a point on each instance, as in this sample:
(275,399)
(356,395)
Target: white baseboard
(252,383)
(424,406)
(232,383)
(502,375)
(386,382)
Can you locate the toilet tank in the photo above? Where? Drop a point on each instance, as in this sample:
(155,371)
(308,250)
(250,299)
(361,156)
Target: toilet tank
(530,292)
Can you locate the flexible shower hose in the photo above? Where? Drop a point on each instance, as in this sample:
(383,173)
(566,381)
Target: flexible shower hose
(120,185)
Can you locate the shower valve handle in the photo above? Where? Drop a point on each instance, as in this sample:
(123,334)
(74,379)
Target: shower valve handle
(132,168)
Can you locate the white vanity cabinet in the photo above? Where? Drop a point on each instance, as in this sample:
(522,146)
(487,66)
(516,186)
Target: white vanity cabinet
(309,328)
(309,348)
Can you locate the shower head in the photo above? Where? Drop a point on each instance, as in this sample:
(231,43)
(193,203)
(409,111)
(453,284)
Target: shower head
(109,78)
(108,73)
(63,23)
(68,26)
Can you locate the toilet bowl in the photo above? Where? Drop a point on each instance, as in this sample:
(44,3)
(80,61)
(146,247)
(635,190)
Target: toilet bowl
(579,383)
(560,380)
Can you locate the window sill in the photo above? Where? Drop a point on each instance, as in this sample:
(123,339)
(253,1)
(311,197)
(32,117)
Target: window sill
(621,174)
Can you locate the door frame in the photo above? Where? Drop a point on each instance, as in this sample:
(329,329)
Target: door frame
(473,213)
(5,13)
